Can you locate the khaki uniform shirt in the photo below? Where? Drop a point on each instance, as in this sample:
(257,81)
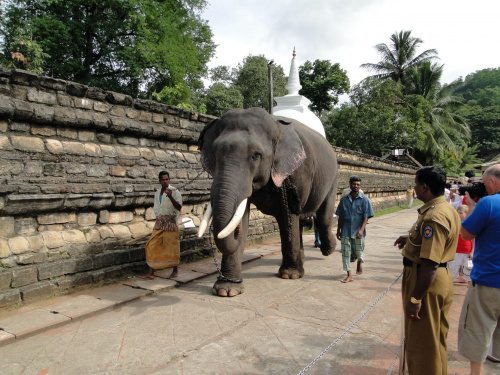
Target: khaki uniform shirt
(435,234)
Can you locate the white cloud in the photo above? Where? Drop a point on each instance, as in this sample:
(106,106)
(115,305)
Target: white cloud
(465,33)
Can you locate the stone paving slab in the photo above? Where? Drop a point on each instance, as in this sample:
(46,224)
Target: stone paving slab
(118,294)
(81,306)
(248,257)
(156,285)
(6,337)
(205,266)
(32,322)
(184,275)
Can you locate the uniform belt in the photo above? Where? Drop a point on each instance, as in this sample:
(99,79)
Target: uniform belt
(408,263)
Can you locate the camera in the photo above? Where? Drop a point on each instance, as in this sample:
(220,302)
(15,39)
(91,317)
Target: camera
(476,191)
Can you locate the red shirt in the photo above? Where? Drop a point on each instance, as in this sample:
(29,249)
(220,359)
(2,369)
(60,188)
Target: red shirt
(463,246)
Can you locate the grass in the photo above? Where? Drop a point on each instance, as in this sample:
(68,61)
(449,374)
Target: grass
(390,210)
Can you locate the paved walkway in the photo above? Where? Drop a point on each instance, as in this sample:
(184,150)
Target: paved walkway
(277,326)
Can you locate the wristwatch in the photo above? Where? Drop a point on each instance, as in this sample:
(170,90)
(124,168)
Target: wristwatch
(415,301)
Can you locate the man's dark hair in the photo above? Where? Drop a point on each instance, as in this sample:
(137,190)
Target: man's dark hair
(163,173)
(434,178)
(448,185)
(354,178)
(470,174)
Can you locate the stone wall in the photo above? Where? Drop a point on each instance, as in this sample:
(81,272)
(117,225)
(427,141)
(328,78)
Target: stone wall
(78,169)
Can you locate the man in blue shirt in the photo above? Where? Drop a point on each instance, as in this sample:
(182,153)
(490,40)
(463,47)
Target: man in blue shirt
(480,316)
(353,211)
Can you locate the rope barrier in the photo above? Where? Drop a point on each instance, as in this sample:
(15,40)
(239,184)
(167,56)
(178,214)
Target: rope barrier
(348,329)
(396,357)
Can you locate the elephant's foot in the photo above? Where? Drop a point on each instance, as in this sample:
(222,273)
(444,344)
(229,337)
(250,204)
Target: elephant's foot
(290,273)
(227,289)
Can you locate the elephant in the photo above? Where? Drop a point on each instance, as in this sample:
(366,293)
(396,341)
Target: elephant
(280,165)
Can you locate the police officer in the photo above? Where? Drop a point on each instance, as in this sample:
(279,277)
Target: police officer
(427,283)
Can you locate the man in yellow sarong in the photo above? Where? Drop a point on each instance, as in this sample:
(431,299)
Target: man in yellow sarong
(162,248)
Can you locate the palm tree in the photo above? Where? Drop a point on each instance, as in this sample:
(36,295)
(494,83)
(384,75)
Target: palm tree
(451,131)
(399,57)
(447,130)
(424,79)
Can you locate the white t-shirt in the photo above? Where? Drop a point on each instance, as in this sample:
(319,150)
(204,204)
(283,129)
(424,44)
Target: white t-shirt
(166,207)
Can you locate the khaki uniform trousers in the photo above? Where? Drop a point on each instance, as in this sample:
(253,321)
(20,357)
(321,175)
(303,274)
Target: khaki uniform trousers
(425,343)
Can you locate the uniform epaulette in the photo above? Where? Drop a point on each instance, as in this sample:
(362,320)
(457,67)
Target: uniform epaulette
(439,217)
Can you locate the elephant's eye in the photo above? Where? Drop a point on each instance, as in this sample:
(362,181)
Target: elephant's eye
(257,155)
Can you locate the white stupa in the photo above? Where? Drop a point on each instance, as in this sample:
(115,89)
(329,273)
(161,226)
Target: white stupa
(295,106)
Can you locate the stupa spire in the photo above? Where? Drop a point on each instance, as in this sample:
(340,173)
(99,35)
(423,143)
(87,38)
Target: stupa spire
(293,86)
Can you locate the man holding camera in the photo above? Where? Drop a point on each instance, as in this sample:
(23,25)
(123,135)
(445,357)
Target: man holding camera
(480,316)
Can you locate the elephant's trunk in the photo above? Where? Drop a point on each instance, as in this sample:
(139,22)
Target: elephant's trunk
(235,221)
(229,201)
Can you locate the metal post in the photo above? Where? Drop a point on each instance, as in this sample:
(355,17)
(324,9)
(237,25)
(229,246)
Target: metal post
(270,79)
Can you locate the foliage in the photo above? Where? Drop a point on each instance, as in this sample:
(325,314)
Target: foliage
(399,57)
(485,128)
(424,79)
(446,133)
(131,46)
(322,83)
(481,91)
(441,133)
(375,119)
(221,99)
(222,74)
(177,96)
(252,81)
(26,53)
(476,82)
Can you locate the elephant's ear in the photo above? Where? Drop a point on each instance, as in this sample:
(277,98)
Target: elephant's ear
(205,141)
(289,153)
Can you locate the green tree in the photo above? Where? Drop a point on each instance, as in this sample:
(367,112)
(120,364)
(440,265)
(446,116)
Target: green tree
(375,119)
(252,81)
(424,79)
(26,53)
(131,46)
(477,81)
(178,96)
(322,83)
(481,92)
(485,127)
(399,56)
(446,132)
(222,74)
(221,99)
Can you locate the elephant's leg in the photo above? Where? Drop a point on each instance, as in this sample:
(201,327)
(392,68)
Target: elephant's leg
(324,222)
(292,266)
(229,284)
(301,232)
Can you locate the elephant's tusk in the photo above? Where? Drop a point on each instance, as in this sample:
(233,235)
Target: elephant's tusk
(234,221)
(206,218)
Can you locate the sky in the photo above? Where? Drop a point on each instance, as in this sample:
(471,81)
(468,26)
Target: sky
(465,33)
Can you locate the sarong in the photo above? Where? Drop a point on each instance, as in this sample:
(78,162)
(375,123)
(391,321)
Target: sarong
(162,248)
